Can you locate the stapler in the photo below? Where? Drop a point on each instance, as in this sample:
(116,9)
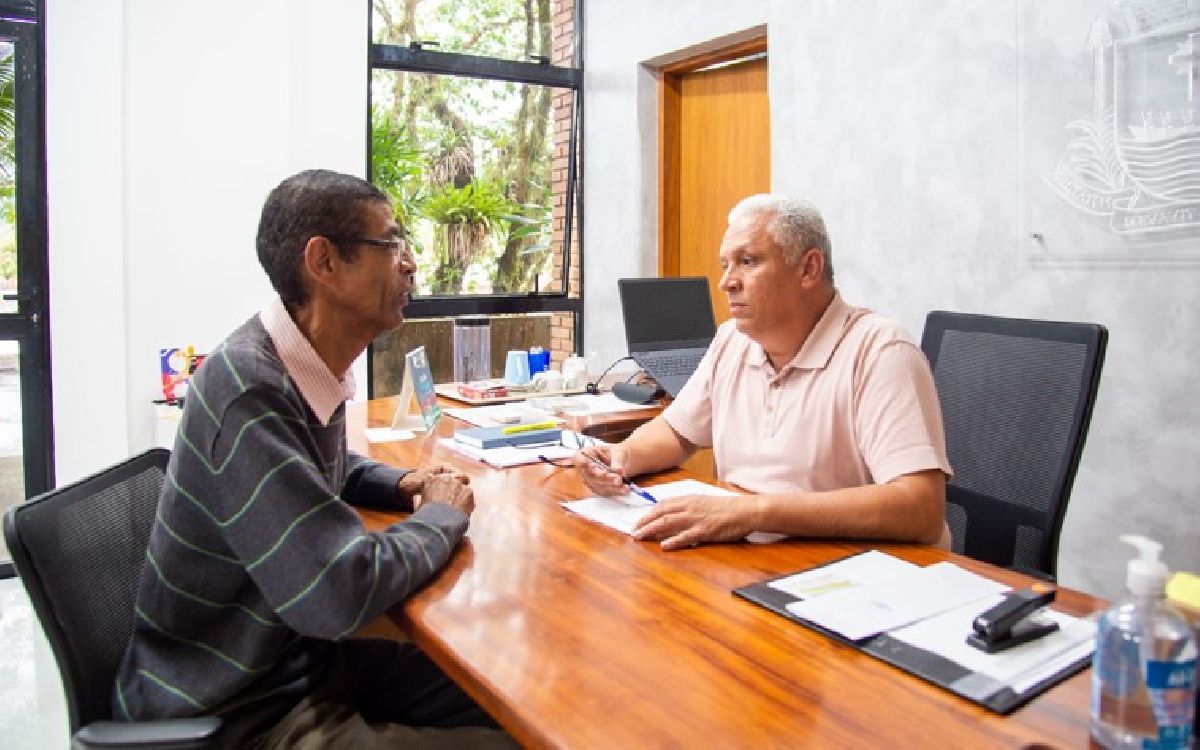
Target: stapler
(1009,623)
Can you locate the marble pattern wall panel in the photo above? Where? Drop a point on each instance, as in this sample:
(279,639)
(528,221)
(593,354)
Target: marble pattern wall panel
(904,122)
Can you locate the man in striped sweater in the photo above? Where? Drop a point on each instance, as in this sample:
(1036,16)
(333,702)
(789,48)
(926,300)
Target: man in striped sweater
(258,570)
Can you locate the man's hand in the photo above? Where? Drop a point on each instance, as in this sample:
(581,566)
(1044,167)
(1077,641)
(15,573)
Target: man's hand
(412,485)
(450,488)
(687,521)
(605,478)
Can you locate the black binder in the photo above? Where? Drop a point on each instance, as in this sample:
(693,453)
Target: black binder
(944,673)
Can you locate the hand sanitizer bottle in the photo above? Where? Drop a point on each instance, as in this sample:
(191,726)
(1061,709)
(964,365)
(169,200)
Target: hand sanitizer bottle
(1144,667)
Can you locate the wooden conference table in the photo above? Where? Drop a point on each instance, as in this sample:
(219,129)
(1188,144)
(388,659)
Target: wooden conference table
(573,635)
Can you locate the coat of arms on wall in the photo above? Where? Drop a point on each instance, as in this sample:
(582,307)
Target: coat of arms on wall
(1134,164)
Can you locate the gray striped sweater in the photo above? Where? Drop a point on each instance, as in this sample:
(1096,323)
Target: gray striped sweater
(256,562)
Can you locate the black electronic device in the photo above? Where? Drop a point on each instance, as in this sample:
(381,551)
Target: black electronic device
(1006,624)
(635,393)
(669,324)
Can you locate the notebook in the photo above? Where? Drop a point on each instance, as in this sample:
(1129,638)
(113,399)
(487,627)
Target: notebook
(668,326)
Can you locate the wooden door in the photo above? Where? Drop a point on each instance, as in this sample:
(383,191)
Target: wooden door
(716,139)
(714,149)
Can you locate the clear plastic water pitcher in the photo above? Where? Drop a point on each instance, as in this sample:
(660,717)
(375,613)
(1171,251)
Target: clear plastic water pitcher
(472,349)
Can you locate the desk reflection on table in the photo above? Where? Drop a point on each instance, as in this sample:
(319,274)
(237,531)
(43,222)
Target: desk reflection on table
(573,635)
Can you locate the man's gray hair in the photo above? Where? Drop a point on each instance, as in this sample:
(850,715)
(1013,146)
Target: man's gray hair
(795,225)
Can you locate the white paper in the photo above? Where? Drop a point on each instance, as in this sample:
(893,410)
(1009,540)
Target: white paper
(503,458)
(497,414)
(869,567)
(1019,667)
(603,403)
(620,513)
(863,611)
(623,513)
(388,435)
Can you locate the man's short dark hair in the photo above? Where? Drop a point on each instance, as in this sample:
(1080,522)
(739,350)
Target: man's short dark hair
(305,205)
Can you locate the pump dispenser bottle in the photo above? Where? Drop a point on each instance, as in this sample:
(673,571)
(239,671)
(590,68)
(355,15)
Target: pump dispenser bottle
(1144,667)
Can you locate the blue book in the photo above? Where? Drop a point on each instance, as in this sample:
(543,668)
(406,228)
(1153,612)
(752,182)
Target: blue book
(508,435)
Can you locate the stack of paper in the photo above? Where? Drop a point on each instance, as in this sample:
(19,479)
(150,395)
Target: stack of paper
(623,513)
(603,403)
(862,611)
(919,619)
(503,458)
(494,414)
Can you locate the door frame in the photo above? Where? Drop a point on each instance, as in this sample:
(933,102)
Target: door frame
(30,325)
(670,78)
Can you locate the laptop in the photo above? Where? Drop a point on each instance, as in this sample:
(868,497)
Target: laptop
(668,326)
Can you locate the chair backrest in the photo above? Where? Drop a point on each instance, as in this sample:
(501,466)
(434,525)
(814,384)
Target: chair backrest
(80,550)
(1017,399)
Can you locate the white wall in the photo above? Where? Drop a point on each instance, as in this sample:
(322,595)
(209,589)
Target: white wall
(624,38)
(167,124)
(901,121)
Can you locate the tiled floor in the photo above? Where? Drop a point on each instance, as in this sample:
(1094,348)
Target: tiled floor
(32,712)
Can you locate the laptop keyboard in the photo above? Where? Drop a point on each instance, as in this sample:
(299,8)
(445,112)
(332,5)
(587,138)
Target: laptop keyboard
(669,363)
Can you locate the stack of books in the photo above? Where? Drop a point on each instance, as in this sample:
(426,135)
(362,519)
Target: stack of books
(511,435)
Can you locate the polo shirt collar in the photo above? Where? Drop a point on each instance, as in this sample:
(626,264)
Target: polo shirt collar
(818,348)
(322,390)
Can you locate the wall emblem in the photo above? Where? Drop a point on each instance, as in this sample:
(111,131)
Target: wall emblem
(1135,163)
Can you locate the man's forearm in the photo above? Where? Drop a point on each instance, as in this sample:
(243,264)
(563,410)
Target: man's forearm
(655,446)
(910,508)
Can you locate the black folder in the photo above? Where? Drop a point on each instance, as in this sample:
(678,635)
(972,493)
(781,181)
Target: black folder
(944,673)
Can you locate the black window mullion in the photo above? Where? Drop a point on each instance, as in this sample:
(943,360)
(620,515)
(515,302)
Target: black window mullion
(395,57)
(440,307)
(19,10)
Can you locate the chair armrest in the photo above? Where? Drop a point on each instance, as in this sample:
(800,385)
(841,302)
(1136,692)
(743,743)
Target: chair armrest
(171,733)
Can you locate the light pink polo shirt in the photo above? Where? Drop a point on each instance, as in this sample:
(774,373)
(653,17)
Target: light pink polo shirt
(323,390)
(855,406)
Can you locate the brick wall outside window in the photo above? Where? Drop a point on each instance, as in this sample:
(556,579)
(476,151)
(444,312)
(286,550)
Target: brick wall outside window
(562,328)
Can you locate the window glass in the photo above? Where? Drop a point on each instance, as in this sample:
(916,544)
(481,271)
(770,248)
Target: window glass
(470,164)
(477,158)
(507,29)
(8,183)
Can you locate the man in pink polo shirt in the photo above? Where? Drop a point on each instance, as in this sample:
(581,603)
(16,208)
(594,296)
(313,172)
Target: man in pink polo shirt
(826,412)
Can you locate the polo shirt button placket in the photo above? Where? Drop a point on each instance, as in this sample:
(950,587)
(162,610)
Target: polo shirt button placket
(768,424)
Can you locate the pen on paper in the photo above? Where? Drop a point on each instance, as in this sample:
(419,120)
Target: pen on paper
(632,487)
(528,427)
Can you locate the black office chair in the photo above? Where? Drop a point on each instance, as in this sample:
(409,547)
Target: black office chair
(79,550)
(1017,398)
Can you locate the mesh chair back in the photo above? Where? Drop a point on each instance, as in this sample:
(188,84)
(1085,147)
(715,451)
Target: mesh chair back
(1016,399)
(80,550)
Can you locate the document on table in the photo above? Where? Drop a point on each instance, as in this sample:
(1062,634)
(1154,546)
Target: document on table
(623,513)
(918,619)
(508,413)
(1019,667)
(503,458)
(868,567)
(387,435)
(863,611)
(602,403)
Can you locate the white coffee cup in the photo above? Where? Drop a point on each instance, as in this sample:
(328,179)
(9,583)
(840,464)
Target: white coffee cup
(574,372)
(548,381)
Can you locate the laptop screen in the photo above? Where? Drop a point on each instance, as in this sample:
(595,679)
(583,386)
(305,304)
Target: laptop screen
(671,313)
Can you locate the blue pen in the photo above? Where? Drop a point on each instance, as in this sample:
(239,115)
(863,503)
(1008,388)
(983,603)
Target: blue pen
(632,487)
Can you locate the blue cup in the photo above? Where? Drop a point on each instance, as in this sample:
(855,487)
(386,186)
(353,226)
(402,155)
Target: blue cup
(539,360)
(516,367)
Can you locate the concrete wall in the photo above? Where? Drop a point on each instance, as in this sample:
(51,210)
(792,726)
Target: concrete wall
(167,124)
(904,121)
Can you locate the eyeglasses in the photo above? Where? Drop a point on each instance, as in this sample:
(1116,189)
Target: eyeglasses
(395,244)
(570,439)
